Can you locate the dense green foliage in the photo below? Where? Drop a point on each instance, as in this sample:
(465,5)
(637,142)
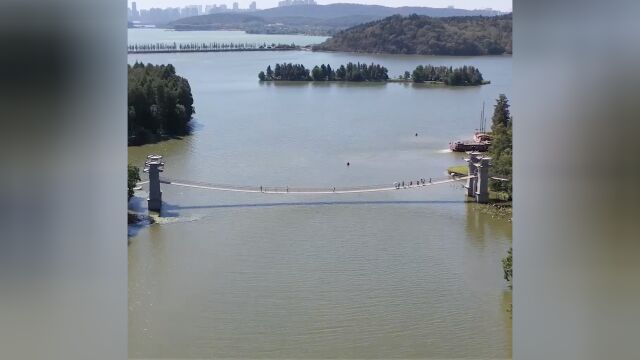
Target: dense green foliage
(350,72)
(288,72)
(465,35)
(466,75)
(507,266)
(133,177)
(159,102)
(501,150)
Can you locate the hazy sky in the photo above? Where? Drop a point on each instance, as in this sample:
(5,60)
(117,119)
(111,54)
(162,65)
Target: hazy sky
(504,5)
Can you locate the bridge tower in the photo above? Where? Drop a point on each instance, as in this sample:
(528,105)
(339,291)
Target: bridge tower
(482,186)
(471,182)
(154,166)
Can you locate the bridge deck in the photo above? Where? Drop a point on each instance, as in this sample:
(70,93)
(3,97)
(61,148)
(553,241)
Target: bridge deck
(290,190)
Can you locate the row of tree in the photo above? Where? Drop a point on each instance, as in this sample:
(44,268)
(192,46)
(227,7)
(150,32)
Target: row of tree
(159,102)
(205,46)
(357,72)
(465,75)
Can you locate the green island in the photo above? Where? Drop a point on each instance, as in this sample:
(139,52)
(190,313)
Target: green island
(160,103)
(424,35)
(358,72)
(351,72)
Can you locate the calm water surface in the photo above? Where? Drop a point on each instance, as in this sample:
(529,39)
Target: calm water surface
(408,274)
(146,36)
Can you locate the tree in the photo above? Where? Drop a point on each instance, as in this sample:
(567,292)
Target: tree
(269,73)
(507,266)
(341,73)
(317,74)
(501,114)
(418,74)
(501,149)
(133,177)
(277,72)
(330,73)
(407,75)
(262,76)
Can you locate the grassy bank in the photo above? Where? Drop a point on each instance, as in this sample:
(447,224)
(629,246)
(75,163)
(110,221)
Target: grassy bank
(462,170)
(499,204)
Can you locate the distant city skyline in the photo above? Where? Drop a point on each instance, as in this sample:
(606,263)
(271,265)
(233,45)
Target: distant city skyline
(502,5)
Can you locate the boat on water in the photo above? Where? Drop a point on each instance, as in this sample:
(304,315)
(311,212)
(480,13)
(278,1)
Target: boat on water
(469,145)
(480,142)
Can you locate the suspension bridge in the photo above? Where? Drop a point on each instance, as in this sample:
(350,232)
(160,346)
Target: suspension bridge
(476,183)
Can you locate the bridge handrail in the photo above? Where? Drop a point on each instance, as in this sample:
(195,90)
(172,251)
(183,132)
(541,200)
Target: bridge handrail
(302,189)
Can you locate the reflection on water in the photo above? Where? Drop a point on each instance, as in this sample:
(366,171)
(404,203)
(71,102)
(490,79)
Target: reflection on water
(400,274)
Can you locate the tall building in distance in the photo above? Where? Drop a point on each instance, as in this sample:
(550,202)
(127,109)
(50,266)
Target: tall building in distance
(191,10)
(134,10)
(210,9)
(296,2)
(158,16)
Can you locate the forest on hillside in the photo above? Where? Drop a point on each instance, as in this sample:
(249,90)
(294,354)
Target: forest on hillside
(414,34)
(325,20)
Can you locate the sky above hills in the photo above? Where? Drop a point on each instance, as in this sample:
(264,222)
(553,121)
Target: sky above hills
(503,5)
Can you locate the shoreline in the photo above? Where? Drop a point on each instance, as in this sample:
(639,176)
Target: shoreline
(175,51)
(393,81)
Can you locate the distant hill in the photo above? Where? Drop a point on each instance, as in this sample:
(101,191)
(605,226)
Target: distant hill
(342,10)
(470,35)
(310,19)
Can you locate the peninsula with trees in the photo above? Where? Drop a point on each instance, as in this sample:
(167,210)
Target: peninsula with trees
(424,35)
(160,103)
(359,72)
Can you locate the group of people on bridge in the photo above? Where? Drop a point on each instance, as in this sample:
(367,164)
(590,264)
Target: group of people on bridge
(419,182)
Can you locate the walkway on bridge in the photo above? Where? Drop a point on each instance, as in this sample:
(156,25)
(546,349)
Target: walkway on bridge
(291,190)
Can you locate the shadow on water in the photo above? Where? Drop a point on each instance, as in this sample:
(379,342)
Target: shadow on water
(172,211)
(146,138)
(169,208)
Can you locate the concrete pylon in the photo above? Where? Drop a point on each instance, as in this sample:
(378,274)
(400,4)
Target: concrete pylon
(472,182)
(482,188)
(153,167)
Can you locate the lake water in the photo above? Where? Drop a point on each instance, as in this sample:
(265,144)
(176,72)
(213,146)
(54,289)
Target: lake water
(152,36)
(406,274)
